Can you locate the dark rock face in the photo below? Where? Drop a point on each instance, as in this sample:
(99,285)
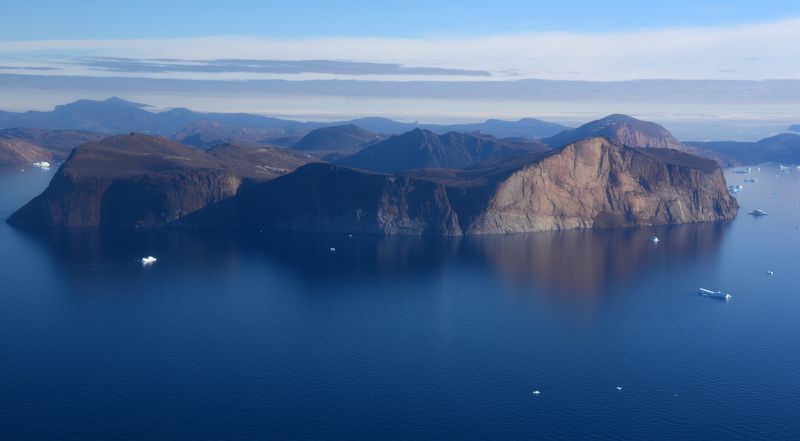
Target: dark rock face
(783,148)
(424,149)
(621,129)
(146,181)
(328,198)
(590,184)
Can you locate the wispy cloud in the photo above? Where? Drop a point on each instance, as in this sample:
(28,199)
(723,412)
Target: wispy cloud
(130,65)
(751,51)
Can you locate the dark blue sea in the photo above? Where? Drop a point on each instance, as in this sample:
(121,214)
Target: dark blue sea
(276,337)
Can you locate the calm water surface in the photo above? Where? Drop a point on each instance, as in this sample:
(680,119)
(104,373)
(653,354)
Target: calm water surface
(263,336)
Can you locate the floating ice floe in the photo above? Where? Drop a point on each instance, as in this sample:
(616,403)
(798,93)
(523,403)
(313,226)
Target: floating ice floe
(654,239)
(148,260)
(769,273)
(714,294)
(757,213)
(44,165)
(333,249)
(536,392)
(619,387)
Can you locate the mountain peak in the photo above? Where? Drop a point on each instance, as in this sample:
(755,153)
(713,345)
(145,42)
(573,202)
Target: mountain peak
(622,129)
(421,148)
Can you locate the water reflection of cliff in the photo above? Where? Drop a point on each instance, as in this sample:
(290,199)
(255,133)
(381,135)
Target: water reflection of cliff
(566,263)
(587,262)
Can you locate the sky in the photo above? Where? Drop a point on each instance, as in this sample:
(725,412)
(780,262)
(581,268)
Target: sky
(382,46)
(81,19)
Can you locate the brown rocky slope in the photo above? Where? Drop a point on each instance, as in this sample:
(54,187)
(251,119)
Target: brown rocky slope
(146,181)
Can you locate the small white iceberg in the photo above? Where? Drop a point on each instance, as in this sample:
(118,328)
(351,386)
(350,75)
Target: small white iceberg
(619,387)
(537,392)
(333,249)
(714,294)
(654,239)
(770,273)
(149,260)
(44,165)
(757,213)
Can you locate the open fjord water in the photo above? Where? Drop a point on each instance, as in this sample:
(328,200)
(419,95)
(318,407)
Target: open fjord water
(274,336)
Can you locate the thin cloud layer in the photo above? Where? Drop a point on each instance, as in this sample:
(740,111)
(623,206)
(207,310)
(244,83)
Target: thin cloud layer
(753,51)
(129,65)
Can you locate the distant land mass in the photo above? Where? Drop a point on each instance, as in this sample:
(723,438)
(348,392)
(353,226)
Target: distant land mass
(422,148)
(593,183)
(207,134)
(25,146)
(116,115)
(336,141)
(146,181)
(783,148)
(16,151)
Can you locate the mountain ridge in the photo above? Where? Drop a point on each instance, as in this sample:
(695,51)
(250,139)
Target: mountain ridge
(593,183)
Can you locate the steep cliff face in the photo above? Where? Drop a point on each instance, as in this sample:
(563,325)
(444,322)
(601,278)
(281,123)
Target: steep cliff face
(589,184)
(144,181)
(596,184)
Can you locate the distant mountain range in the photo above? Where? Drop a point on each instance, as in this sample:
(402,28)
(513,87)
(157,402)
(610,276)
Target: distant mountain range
(422,148)
(116,115)
(364,143)
(783,148)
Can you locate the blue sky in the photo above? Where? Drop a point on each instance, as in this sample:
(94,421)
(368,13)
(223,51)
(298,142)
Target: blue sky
(38,20)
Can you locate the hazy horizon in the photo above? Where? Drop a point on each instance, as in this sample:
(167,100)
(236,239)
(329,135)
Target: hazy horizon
(726,71)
